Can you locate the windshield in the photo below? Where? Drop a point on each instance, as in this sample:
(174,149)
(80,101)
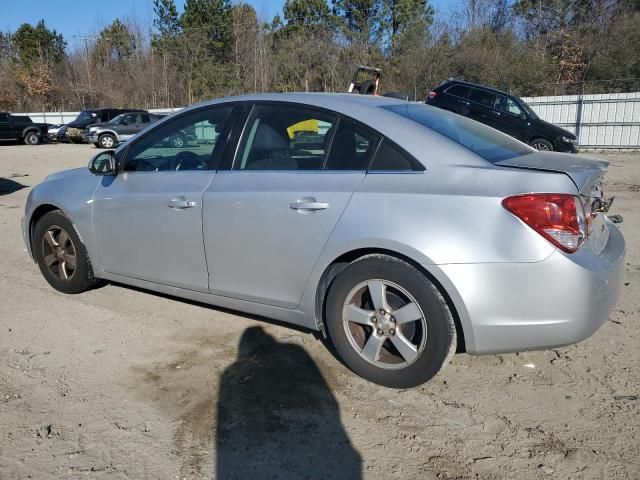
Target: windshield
(484,141)
(86,116)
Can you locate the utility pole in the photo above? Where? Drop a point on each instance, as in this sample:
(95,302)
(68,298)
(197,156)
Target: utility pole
(85,39)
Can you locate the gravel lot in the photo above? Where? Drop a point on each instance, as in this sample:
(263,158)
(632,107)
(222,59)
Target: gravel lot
(122,383)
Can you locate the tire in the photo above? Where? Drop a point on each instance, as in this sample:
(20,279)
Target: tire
(542,145)
(79,276)
(32,138)
(178,141)
(106,140)
(432,336)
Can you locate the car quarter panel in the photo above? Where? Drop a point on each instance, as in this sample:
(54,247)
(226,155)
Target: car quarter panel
(72,192)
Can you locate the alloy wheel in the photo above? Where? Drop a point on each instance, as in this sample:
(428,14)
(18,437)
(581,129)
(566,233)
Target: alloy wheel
(59,253)
(107,142)
(384,324)
(541,147)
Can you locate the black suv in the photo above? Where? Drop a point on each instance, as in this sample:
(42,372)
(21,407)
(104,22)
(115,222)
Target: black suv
(503,112)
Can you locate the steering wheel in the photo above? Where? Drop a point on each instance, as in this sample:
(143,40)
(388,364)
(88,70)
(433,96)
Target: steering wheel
(187,160)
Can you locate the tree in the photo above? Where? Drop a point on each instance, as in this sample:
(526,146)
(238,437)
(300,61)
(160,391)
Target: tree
(207,48)
(306,12)
(115,42)
(37,44)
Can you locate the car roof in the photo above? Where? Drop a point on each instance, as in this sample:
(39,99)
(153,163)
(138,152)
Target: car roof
(368,109)
(452,81)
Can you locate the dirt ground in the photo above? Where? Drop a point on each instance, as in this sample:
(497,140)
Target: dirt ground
(122,383)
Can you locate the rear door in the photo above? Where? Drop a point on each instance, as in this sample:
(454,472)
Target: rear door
(267,217)
(458,99)
(481,108)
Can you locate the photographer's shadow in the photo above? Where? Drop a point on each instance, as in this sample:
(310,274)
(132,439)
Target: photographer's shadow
(277,418)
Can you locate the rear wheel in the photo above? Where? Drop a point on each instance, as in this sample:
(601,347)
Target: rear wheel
(542,145)
(107,140)
(60,254)
(389,323)
(32,138)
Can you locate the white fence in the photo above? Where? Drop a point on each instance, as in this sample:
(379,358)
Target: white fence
(66,117)
(607,121)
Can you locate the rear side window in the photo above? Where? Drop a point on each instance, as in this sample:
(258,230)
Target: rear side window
(458,91)
(484,141)
(352,147)
(483,97)
(144,118)
(391,158)
(281,137)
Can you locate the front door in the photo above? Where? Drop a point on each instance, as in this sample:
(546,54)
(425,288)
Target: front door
(267,218)
(148,219)
(510,118)
(129,126)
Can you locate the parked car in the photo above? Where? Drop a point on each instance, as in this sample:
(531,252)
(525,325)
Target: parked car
(21,127)
(52,132)
(74,130)
(119,129)
(502,111)
(409,233)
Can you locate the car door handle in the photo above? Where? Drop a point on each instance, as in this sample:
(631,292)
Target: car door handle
(308,204)
(180,203)
(497,114)
(464,101)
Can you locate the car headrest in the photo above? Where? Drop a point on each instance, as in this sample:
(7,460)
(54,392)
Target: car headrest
(268,138)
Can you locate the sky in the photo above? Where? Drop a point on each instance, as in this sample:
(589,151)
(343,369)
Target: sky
(77,17)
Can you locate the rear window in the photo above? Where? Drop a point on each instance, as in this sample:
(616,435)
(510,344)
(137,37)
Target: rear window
(484,141)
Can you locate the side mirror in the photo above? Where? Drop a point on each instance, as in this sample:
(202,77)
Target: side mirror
(104,164)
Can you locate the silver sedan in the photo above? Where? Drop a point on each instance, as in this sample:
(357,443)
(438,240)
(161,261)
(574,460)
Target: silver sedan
(402,232)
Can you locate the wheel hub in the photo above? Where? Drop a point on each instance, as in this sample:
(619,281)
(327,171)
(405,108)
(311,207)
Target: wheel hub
(384,322)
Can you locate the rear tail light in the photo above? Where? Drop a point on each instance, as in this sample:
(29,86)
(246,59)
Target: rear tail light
(558,217)
(432,95)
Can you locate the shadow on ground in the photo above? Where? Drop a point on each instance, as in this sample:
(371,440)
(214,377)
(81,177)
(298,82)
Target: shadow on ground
(277,418)
(8,186)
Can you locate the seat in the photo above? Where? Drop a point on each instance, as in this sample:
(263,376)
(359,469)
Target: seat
(269,151)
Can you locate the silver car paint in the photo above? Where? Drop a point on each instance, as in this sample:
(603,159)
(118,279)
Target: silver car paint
(501,277)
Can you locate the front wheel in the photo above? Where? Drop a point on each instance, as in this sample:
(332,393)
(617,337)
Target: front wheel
(32,138)
(60,254)
(389,323)
(542,145)
(107,141)
(178,141)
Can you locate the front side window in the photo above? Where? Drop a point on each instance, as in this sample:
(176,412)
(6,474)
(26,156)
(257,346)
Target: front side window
(284,138)
(505,104)
(187,142)
(129,119)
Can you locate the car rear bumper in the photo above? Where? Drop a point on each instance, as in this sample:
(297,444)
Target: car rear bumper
(534,306)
